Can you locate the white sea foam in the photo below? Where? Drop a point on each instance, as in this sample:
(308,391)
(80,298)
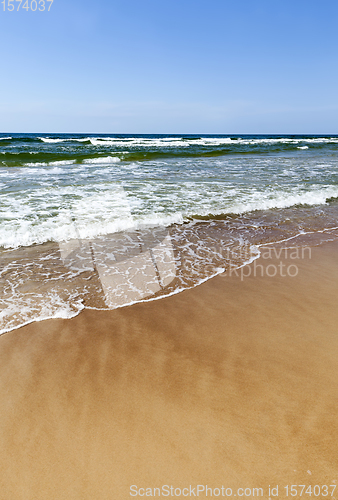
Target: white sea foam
(266,201)
(79,211)
(21,309)
(52,140)
(64,229)
(5,138)
(103,160)
(51,163)
(72,212)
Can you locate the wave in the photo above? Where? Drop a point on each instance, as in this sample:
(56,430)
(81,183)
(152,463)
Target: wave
(174,142)
(88,213)
(26,237)
(271,200)
(24,159)
(284,200)
(22,139)
(102,160)
(59,163)
(54,141)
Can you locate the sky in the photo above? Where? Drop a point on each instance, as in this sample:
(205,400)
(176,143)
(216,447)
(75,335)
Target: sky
(178,66)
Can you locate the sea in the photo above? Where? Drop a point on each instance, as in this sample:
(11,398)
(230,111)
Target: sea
(103,221)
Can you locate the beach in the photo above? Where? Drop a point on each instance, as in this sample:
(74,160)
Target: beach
(232,383)
(168,250)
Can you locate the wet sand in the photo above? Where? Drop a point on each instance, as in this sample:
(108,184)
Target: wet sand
(233,383)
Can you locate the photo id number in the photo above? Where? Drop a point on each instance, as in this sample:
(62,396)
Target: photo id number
(33,5)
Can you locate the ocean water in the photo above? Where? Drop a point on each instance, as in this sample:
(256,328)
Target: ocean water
(103,221)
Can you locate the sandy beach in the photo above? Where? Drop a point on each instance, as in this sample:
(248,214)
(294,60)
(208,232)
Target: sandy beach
(233,383)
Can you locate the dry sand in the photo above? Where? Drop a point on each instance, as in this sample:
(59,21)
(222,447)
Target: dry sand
(233,383)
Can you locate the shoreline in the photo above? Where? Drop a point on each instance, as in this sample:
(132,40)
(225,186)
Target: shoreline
(169,272)
(232,383)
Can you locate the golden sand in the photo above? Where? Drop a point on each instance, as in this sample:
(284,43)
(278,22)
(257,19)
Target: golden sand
(233,384)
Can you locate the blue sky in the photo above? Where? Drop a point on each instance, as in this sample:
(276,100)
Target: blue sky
(184,66)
